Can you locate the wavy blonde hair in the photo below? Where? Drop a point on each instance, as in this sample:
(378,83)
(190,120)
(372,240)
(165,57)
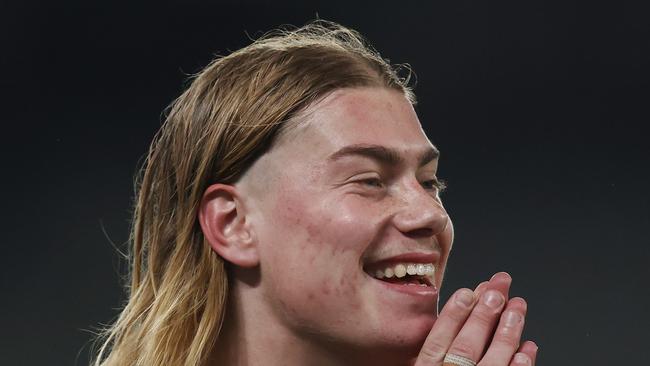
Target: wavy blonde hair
(228,117)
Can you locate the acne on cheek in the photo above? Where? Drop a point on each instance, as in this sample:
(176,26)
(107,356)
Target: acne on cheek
(327,291)
(321,234)
(339,222)
(320,304)
(317,227)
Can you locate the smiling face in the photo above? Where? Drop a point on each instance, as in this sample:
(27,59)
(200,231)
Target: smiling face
(346,193)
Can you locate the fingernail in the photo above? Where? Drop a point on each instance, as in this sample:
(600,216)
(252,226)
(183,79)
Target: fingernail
(505,275)
(493,299)
(465,298)
(522,359)
(512,318)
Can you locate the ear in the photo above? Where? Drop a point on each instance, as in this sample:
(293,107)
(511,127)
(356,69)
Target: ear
(224,224)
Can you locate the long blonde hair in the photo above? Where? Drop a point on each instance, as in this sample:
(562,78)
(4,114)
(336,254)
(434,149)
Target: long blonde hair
(213,132)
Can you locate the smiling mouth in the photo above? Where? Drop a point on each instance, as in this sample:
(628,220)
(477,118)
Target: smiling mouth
(406,274)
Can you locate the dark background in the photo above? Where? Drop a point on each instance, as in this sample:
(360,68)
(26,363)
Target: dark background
(540,110)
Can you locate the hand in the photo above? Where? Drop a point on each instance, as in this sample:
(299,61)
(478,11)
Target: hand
(467,326)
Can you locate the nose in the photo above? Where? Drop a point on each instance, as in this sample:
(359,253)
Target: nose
(420,214)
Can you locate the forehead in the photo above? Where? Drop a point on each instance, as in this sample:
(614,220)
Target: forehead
(362,116)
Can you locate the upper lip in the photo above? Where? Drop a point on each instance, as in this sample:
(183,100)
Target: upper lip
(411,257)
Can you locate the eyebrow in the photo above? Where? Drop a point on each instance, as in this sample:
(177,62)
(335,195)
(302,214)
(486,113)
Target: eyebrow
(382,154)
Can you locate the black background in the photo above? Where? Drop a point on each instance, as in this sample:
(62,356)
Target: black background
(539,108)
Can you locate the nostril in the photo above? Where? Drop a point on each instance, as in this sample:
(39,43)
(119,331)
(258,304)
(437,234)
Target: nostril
(420,233)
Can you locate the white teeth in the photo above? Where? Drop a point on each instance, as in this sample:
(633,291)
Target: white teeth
(400,270)
(411,269)
(420,269)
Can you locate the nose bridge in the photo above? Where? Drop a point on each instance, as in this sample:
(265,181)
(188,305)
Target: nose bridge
(419,210)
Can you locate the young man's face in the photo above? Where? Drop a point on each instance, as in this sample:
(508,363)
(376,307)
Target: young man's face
(347,194)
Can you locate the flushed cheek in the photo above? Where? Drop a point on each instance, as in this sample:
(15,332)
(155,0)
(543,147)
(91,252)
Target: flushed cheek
(313,252)
(353,224)
(318,225)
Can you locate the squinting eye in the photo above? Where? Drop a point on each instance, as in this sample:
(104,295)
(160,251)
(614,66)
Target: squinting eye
(374,182)
(434,184)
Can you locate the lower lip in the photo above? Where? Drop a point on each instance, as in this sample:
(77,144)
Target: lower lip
(428,292)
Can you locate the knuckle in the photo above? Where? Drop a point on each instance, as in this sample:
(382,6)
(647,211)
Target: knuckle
(434,349)
(508,332)
(431,355)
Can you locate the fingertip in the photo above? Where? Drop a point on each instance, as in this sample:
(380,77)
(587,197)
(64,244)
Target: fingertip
(501,282)
(518,302)
(534,350)
(494,299)
(501,276)
(522,359)
(482,283)
(465,297)
(481,287)
(530,348)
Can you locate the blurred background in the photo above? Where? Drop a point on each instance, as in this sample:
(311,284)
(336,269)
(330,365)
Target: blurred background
(540,110)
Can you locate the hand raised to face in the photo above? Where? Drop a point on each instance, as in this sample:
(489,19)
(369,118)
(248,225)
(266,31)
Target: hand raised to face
(480,327)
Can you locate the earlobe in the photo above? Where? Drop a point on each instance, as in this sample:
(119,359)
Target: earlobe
(223,220)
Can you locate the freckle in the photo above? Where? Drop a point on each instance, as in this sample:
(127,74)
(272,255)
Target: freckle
(312,230)
(310,296)
(326,287)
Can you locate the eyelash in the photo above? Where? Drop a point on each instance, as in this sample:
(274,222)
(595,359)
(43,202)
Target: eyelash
(435,184)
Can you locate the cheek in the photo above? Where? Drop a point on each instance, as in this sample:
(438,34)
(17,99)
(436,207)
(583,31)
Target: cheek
(313,226)
(311,257)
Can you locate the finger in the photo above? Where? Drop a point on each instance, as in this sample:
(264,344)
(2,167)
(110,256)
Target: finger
(529,348)
(507,336)
(521,359)
(449,322)
(501,282)
(478,291)
(479,328)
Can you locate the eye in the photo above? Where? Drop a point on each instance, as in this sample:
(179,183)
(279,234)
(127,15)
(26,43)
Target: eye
(372,182)
(434,185)
(367,182)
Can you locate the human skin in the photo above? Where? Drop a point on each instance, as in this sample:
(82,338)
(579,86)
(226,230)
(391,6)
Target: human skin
(300,228)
